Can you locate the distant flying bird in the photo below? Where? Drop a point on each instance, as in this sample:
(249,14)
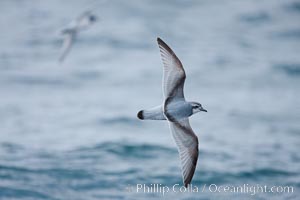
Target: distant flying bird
(176,111)
(70,33)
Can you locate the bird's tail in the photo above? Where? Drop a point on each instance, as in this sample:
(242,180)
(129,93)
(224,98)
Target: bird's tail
(155,113)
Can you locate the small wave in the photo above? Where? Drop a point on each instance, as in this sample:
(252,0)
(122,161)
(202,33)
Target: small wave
(115,42)
(119,120)
(221,156)
(6,192)
(292,69)
(295,158)
(131,171)
(267,172)
(39,42)
(30,80)
(121,44)
(166,179)
(129,150)
(10,147)
(252,175)
(287,34)
(255,18)
(55,172)
(87,75)
(293,6)
(139,151)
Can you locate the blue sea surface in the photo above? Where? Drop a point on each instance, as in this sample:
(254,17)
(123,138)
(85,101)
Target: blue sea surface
(70,131)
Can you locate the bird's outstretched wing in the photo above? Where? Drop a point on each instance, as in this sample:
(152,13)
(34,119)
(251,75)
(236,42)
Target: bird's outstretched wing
(187,144)
(173,72)
(67,44)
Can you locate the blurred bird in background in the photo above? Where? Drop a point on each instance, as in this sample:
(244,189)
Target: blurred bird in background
(83,22)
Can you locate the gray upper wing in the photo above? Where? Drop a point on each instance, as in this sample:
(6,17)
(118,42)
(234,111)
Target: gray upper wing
(173,72)
(187,143)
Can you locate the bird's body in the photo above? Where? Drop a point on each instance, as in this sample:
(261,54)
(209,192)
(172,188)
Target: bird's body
(70,32)
(176,111)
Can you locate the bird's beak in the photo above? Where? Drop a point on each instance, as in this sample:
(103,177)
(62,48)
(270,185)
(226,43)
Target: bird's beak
(202,109)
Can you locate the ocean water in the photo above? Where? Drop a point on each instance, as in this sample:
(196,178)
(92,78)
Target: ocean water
(69,131)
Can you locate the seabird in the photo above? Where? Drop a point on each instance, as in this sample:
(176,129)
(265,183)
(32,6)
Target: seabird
(176,111)
(70,33)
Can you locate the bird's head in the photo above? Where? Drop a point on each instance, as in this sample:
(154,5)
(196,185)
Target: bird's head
(197,107)
(92,18)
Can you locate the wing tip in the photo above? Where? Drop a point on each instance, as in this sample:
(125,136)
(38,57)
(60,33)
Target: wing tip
(187,182)
(164,47)
(161,42)
(186,185)
(140,115)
